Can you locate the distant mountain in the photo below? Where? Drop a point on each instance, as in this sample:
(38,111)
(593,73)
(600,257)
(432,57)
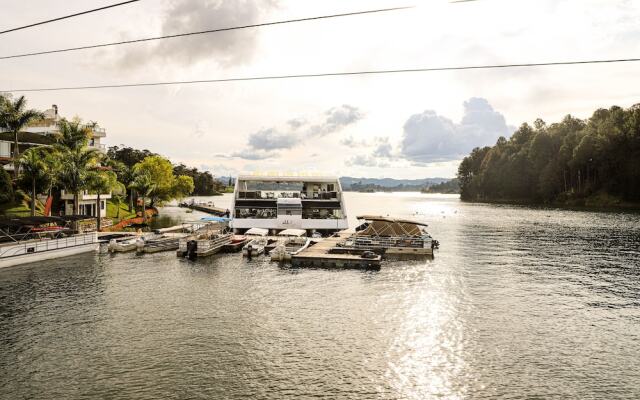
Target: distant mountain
(374,184)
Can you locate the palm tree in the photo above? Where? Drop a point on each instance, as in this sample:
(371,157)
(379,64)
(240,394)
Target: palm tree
(77,161)
(14,117)
(101,181)
(144,186)
(34,171)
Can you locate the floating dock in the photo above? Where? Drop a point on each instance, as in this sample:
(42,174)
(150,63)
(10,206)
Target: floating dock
(322,255)
(217,211)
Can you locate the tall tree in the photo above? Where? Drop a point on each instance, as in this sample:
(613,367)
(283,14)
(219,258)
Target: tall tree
(34,173)
(77,161)
(102,181)
(144,186)
(14,117)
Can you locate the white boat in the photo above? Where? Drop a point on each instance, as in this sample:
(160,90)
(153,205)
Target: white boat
(278,202)
(158,243)
(289,247)
(33,239)
(208,240)
(256,246)
(122,246)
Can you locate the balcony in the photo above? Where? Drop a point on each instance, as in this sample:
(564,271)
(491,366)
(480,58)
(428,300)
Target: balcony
(85,196)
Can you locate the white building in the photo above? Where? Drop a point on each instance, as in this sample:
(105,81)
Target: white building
(278,202)
(42,133)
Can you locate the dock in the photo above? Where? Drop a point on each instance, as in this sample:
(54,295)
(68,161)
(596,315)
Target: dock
(323,255)
(217,211)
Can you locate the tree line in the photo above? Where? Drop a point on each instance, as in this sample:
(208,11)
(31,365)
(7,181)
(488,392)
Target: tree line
(204,183)
(70,164)
(595,161)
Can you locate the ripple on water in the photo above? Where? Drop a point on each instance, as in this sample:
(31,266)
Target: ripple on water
(518,303)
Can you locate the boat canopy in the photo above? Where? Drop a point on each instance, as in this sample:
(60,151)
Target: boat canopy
(215,219)
(293,232)
(384,226)
(257,232)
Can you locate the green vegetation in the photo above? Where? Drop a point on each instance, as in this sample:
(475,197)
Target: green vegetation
(14,117)
(154,177)
(593,162)
(72,165)
(204,184)
(6,188)
(449,187)
(118,210)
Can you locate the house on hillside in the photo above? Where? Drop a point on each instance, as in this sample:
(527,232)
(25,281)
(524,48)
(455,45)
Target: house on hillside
(42,133)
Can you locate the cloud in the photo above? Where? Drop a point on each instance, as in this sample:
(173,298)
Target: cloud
(336,119)
(253,154)
(270,139)
(429,137)
(265,142)
(384,148)
(366,161)
(296,123)
(226,48)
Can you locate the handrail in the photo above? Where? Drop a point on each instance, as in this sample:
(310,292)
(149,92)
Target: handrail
(38,246)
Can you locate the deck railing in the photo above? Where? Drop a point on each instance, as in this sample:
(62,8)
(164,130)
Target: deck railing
(38,246)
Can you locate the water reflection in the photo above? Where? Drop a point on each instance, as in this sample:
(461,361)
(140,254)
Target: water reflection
(518,302)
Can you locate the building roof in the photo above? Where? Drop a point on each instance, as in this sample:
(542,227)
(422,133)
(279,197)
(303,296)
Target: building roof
(28,137)
(383,226)
(288,178)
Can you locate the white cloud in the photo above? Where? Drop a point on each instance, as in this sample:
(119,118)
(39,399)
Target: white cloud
(429,137)
(228,49)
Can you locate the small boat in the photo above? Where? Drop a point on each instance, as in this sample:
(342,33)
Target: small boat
(290,247)
(257,242)
(255,247)
(208,240)
(158,243)
(32,239)
(122,246)
(284,236)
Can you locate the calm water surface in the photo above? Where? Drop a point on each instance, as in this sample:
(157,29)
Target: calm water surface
(518,303)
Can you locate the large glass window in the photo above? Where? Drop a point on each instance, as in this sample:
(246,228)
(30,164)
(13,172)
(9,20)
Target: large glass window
(256,213)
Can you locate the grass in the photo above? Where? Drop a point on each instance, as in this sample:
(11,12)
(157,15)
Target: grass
(20,209)
(125,212)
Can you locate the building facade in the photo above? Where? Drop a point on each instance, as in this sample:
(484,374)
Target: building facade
(42,133)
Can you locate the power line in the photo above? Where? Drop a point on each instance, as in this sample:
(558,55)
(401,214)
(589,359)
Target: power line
(95,46)
(68,16)
(327,74)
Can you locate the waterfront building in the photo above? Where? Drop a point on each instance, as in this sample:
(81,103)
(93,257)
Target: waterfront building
(42,133)
(277,202)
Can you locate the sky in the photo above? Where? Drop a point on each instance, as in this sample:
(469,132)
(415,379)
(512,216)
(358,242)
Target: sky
(405,126)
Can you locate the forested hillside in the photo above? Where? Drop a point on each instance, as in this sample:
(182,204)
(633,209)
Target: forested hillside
(575,162)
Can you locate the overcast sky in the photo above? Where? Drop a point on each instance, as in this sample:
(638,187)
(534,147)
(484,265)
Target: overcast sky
(405,126)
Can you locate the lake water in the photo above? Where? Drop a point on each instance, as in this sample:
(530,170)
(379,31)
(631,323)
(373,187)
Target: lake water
(518,303)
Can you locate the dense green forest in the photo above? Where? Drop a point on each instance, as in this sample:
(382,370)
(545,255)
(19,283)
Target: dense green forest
(204,183)
(448,187)
(593,162)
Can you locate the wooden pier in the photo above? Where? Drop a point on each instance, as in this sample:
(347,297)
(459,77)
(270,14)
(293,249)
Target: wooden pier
(322,255)
(217,211)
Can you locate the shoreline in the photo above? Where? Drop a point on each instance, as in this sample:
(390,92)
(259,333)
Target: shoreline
(628,207)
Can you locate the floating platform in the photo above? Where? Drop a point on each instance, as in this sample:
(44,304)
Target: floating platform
(322,255)
(217,211)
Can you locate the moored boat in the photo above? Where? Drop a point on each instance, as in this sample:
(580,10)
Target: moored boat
(31,239)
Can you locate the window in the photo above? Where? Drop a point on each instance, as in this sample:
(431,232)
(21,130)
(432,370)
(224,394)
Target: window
(5,149)
(102,205)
